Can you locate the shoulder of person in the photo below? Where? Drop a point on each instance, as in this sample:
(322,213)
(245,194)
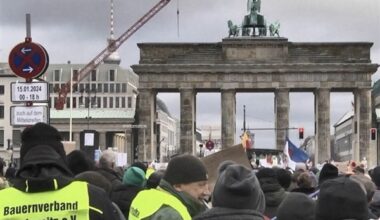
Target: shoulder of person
(166,213)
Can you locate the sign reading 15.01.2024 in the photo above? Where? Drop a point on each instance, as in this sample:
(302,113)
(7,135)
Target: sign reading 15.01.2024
(24,92)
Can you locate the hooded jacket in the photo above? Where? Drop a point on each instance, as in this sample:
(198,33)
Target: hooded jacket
(44,170)
(194,207)
(218,213)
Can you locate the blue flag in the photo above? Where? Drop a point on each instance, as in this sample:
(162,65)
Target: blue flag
(296,154)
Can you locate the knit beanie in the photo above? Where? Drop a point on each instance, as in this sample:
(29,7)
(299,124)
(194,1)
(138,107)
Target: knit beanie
(328,171)
(41,144)
(41,134)
(375,175)
(79,162)
(184,169)
(296,206)
(134,176)
(238,188)
(341,198)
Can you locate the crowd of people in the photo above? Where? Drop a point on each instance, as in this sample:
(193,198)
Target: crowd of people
(52,185)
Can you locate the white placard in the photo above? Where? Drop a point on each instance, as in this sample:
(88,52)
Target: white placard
(89,139)
(28,115)
(34,92)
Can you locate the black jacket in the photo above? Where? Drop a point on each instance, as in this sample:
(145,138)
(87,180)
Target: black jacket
(41,166)
(123,196)
(112,176)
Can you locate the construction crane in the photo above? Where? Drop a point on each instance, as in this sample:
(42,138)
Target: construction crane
(112,46)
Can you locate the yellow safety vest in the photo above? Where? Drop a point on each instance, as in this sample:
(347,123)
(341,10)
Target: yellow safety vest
(68,203)
(148,202)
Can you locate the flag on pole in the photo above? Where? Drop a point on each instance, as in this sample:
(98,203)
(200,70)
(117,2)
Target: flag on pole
(295,153)
(288,162)
(246,140)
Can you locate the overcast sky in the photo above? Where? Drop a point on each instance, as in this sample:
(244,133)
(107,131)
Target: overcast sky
(76,30)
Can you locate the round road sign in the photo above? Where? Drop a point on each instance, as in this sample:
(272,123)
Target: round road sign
(28,60)
(209,145)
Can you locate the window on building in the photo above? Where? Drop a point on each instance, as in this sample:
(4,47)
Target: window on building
(100,86)
(1,90)
(81,87)
(51,88)
(67,102)
(98,102)
(111,102)
(124,87)
(81,102)
(75,88)
(57,75)
(93,75)
(112,75)
(129,102)
(1,111)
(74,102)
(117,102)
(86,102)
(75,75)
(87,87)
(93,87)
(1,138)
(105,87)
(105,102)
(117,88)
(123,102)
(16,138)
(112,88)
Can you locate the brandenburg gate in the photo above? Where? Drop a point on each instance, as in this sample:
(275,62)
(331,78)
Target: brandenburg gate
(256,64)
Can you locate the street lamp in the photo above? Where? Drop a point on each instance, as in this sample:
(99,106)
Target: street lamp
(10,152)
(90,102)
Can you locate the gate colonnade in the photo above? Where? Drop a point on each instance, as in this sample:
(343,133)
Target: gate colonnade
(257,64)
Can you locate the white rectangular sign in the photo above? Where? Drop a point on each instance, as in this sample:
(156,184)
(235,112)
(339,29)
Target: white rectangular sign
(28,115)
(34,91)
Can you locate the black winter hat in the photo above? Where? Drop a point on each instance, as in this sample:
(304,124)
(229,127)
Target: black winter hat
(341,198)
(238,188)
(328,171)
(41,134)
(185,169)
(79,162)
(296,206)
(375,176)
(41,144)
(140,165)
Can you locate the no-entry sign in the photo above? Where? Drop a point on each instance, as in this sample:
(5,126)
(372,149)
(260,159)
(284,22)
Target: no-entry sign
(28,60)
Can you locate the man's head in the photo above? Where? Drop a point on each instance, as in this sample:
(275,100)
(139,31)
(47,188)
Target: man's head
(186,173)
(107,160)
(41,144)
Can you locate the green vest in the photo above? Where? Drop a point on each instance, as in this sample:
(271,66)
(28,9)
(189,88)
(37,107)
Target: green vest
(68,203)
(148,202)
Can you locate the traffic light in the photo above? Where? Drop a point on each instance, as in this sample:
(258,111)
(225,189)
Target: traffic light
(373,133)
(300,133)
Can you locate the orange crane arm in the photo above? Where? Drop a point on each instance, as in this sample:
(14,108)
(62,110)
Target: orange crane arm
(112,46)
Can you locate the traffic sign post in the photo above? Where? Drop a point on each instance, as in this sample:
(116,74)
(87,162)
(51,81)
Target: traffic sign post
(29,60)
(34,92)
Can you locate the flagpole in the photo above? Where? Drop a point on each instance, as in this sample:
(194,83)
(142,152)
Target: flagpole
(71,104)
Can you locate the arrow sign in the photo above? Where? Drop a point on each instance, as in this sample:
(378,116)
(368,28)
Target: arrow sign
(25,50)
(29,69)
(28,60)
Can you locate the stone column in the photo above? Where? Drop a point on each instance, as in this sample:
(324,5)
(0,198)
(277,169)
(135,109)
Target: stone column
(102,140)
(322,120)
(187,122)
(282,116)
(76,138)
(366,148)
(228,117)
(146,117)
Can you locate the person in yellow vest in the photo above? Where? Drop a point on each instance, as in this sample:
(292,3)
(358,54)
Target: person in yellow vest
(44,187)
(180,193)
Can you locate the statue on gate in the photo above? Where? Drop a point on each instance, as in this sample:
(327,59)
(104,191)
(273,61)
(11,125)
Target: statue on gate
(254,19)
